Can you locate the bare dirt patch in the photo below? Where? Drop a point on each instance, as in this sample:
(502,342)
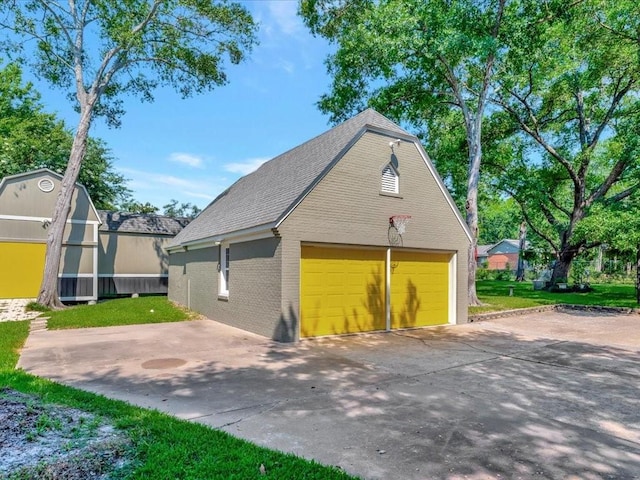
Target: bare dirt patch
(45,441)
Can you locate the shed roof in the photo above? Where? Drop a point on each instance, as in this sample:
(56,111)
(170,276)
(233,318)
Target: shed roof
(267,195)
(141,223)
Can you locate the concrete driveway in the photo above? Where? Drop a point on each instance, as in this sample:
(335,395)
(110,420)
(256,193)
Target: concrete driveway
(547,395)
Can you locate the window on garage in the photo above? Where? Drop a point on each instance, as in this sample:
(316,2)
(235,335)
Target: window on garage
(223,290)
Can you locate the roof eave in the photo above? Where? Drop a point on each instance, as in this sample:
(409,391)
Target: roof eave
(258,232)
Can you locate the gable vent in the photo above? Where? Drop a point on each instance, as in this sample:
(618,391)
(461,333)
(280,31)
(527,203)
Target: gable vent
(46,185)
(389,180)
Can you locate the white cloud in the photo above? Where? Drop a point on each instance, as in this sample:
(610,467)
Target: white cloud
(285,14)
(187,159)
(246,167)
(159,188)
(287,66)
(201,195)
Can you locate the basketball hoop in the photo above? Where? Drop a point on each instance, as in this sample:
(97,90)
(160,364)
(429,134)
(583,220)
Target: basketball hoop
(399,222)
(397,226)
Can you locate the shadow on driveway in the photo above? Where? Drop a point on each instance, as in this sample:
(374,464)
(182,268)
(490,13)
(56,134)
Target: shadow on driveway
(534,396)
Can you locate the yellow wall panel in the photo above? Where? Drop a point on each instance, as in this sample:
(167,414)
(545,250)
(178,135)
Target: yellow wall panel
(342,291)
(419,289)
(21,268)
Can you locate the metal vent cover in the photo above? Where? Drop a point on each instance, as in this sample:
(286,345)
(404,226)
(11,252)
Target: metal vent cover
(46,185)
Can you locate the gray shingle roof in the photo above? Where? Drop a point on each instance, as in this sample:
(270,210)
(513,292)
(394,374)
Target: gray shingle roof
(264,196)
(141,223)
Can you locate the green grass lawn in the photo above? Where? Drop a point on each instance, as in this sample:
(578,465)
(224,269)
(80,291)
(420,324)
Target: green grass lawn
(495,296)
(12,338)
(120,311)
(163,447)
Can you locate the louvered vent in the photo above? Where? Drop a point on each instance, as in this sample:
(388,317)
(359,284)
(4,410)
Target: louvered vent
(389,180)
(46,185)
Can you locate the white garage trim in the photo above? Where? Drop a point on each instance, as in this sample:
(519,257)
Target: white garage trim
(388,290)
(453,289)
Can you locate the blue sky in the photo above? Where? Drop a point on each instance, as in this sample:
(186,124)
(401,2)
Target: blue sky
(191,150)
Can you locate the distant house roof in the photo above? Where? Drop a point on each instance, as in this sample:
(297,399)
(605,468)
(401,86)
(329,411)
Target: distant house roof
(483,250)
(141,223)
(266,196)
(508,245)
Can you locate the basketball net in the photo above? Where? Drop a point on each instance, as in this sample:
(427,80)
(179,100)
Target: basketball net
(400,222)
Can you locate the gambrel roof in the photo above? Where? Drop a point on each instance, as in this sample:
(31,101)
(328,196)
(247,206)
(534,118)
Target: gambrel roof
(267,195)
(43,173)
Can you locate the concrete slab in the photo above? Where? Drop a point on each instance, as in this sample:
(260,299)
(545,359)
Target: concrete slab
(548,395)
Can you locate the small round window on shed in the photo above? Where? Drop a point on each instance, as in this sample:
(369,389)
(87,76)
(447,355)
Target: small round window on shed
(46,185)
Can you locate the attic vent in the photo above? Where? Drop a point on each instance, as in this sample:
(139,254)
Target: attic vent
(389,180)
(46,185)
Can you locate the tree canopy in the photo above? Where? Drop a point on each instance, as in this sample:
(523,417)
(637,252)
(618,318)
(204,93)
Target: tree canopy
(31,138)
(574,105)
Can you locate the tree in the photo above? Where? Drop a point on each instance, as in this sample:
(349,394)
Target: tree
(574,102)
(416,60)
(134,206)
(498,219)
(30,139)
(173,209)
(617,227)
(101,50)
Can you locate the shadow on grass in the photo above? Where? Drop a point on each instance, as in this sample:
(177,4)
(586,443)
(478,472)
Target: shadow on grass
(443,402)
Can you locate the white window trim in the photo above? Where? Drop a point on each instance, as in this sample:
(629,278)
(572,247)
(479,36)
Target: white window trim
(223,284)
(396,185)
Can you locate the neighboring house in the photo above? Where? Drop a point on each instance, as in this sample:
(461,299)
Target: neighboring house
(501,256)
(303,246)
(123,255)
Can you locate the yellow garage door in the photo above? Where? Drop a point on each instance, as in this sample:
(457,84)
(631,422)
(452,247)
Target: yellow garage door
(21,267)
(419,289)
(342,291)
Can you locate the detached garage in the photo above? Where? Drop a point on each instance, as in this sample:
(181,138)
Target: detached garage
(352,231)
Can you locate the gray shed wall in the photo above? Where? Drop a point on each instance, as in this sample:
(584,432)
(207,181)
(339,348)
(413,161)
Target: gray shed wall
(21,196)
(132,253)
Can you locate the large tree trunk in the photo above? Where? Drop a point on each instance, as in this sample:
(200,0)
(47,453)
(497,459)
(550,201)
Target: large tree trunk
(638,273)
(522,243)
(563,265)
(475,156)
(48,294)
